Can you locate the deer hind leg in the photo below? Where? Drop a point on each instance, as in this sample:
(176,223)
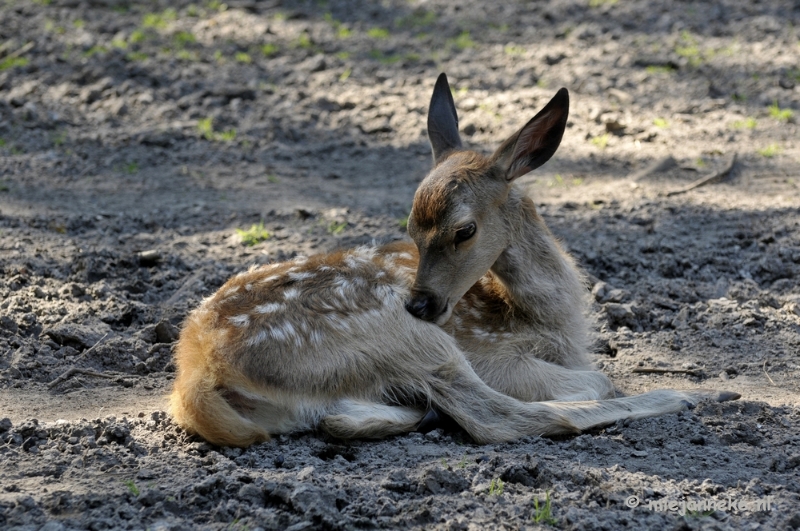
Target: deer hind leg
(489,416)
(589,414)
(351,419)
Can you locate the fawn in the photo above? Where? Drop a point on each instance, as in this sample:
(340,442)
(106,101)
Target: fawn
(482,317)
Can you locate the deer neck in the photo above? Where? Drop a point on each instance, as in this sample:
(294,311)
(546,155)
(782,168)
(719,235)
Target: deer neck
(541,280)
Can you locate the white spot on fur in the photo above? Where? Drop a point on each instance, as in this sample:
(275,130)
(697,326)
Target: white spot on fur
(270,307)
(269,279)
(240,320)
(291,293)
(305,275)
(315,337)
(350,262)
(260,337)
(301,259)
(248,287)
(324,268)
(380,274)
(406,256)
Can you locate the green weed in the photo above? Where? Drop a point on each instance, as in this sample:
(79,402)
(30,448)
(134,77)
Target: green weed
(131,167)
(255,234)
(661,122)
(59,138)
(770,151)
(273,178)
(131,487)
(13,62)
(403,222)
(542,513)
(216,5)
(159,21)
(269,49)
(417,19)
(659,69)
(136,56)
(782,115)
(601,141)
(94,50)
(600,3)
(304,41)
(462,42)
(183,38)
(463,463)
(496,487)
(513,50)
(344,75)
(78,23)
(747,123)
(243,57)
(137,36)
(119,43)
(337,227)
(378,33)
(380,55)
(205,127)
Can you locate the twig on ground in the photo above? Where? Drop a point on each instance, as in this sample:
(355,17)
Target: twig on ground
(709,179)
(74,370)
(764,368)
(656,370)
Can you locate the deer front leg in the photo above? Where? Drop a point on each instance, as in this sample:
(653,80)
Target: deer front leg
(351,419)
(531,379)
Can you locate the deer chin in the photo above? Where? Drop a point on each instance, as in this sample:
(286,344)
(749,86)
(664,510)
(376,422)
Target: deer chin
(445,315)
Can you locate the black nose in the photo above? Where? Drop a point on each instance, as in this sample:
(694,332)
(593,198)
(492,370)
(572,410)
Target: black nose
(423,306)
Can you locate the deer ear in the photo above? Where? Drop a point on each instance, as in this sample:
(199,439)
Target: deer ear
(442,120)
(537,141)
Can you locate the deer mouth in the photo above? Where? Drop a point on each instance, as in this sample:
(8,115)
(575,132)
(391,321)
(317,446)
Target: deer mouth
(429,307)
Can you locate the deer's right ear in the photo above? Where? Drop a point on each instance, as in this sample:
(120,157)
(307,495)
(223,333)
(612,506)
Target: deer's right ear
(537,141)
(442,120)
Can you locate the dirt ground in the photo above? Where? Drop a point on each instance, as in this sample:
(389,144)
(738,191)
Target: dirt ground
(137,137)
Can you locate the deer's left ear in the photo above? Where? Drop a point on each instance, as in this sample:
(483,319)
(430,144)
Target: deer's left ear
(537,141)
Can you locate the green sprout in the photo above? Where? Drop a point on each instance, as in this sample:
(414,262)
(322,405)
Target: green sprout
(378,33)
(337,227)
(255,234)
(269,49)
(782,115)
(131,487)
(770,151)
(496,487)
(462,42)
(601,141)
(747,123)
(542,513)
(661,122)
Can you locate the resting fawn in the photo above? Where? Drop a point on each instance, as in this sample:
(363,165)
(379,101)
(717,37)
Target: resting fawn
(482,318)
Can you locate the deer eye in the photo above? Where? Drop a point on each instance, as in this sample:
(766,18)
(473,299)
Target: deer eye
(465,233)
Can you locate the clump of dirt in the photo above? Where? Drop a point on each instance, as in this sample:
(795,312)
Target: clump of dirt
(142,145)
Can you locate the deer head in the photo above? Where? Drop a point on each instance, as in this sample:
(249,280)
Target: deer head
(459,219)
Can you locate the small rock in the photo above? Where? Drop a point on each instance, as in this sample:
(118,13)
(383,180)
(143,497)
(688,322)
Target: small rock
(149,258)
(166,332)
(441,481)
(600,292)
(639,453)
(724,376)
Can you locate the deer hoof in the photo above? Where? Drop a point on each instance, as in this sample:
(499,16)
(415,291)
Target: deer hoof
(429,422)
